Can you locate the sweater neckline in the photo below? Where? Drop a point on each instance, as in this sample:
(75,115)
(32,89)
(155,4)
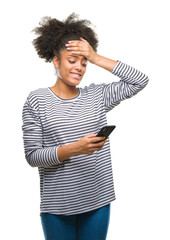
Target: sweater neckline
(65,99)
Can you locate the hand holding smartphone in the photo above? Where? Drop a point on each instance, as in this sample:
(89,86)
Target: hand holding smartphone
(105,131)
(87,144)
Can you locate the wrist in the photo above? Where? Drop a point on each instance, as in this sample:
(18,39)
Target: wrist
(104,62)
(75,149)
(66,151)
(95,58)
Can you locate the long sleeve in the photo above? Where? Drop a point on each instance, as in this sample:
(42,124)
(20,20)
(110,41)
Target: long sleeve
(35,154)
(132,81)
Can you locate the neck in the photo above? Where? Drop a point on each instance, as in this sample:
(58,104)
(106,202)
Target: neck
(63,90)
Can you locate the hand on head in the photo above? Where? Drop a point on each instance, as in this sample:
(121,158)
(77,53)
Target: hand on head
(81,47)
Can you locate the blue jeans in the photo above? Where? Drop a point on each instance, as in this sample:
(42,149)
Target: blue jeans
(92,225)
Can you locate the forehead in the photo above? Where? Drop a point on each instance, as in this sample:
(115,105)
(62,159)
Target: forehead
(68,54)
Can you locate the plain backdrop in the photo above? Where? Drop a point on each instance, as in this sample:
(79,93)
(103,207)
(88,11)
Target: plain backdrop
(134,32)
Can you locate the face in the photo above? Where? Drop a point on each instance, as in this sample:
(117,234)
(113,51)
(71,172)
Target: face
(71,67)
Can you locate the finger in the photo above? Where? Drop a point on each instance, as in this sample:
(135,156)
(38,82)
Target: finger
(95,148)
(81,53)
(77,52)
(92,135)
(73,48)
(96,139)
(96,144)
(84,40)
(74,43)
(99,138)
(77,48)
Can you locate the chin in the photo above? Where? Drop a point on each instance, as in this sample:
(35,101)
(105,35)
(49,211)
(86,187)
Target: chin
(74,85)
(75,82)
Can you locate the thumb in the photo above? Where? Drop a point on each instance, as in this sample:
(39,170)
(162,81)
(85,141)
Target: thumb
(83,39)
(92,135)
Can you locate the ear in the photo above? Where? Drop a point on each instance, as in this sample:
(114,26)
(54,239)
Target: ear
(56,61)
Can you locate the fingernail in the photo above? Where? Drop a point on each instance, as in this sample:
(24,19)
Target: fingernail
(66,44)
(69,41)
(68,48)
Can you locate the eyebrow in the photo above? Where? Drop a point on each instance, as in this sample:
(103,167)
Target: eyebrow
(76,56)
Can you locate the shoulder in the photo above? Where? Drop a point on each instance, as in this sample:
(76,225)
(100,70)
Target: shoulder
(92,87)
(36,96)
(40,92)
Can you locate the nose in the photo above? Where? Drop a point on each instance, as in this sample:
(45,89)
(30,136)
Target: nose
(78,66)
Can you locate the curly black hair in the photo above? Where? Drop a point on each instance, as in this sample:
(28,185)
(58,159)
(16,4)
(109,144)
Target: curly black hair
(54,34)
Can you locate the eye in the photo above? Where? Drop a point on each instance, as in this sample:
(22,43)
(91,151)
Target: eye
(71,62)
(84,64)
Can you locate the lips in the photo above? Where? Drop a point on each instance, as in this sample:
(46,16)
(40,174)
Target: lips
(76,75)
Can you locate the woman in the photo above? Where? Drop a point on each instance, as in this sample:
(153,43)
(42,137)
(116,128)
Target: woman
(60,124)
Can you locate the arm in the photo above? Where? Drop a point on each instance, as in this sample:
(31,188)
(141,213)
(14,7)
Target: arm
(104,62)
(39,156)
(35,154)
(131,82)
(66,151)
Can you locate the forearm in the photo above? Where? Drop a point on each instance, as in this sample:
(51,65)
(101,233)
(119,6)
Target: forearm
(66,151)
(42,157)
(104,62)
(131,82)
(47,157)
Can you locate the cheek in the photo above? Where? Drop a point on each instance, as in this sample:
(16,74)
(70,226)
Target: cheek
(65,69)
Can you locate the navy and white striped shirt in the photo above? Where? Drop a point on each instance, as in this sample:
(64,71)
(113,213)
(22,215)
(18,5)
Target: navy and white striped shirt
(84,182)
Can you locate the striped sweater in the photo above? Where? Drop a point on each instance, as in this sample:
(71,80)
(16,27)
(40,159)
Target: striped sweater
(84,182)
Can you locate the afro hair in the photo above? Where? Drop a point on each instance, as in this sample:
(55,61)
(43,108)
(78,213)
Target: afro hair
(54,34)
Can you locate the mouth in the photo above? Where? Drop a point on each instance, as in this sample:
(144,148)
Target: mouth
(76,75)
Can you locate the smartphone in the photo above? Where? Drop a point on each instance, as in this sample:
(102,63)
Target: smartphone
(105,131)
